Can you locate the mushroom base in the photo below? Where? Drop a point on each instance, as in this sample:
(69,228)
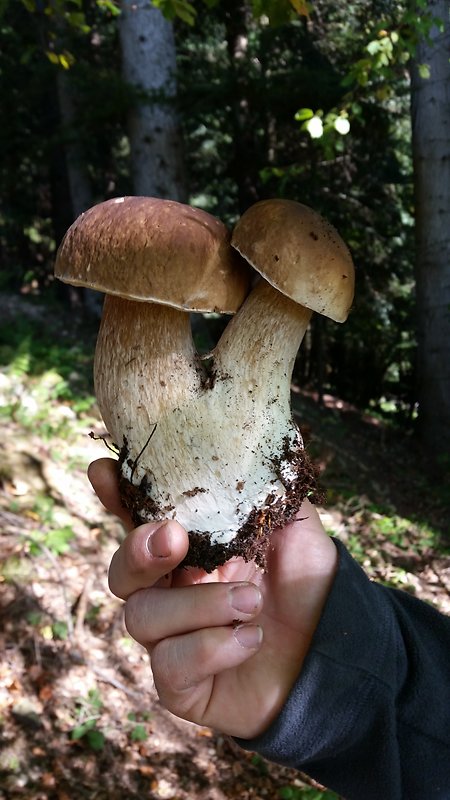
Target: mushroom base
(252,540)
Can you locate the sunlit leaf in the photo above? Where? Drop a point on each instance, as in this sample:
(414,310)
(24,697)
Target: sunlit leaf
(109,5)
(304,113)
(302,7)
(64,61)
(182,9)
(373,47)
(424,71)
(52,57)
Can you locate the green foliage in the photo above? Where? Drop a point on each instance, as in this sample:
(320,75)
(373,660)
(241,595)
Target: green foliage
(88,713)
(30,348)
(57,540)
(277,12)
(88,731)
(109,6)
(181,9)
(138,733)
(49,536)
(406,534)
(60,630)
(394,41)
(137,724)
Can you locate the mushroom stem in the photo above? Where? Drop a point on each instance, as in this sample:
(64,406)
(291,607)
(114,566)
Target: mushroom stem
(260,343)
(145,365)
(222,449)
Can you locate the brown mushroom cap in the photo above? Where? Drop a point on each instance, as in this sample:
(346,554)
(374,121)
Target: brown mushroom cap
(299,253)
(148,249)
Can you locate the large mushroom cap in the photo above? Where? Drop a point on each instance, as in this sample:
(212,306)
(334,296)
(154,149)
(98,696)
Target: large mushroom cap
(299,253)
(148,249)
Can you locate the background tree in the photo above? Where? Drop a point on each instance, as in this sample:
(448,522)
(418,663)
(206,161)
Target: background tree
(431,151)
(149,66)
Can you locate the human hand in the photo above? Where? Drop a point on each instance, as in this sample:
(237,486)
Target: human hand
(207,667)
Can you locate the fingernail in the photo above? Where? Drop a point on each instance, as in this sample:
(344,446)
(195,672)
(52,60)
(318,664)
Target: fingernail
(245,598)
(159,542)
(249,636)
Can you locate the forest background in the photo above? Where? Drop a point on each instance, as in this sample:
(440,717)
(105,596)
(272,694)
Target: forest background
(344,107)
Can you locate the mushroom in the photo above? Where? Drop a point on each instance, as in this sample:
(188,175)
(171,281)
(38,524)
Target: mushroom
(305,266)
(219,452)
(156,260)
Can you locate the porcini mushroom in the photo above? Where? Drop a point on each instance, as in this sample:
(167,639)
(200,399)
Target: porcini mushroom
(221,455)
(305,267)
(156,260)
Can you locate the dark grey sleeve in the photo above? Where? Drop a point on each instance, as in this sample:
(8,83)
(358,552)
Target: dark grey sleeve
(369,715)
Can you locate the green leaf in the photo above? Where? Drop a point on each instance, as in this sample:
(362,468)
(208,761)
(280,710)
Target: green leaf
(95,699)
(424,71)
(374,47)
(110,6)
(177,8)
(304,113)
(58,540)
(302,7)
(185,12)
(52,57)
(95,739)
(81,730)
(139,734)
(60,630)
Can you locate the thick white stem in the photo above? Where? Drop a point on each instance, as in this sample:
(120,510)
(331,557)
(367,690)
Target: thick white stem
(259,345)
(222,448)
(145,366)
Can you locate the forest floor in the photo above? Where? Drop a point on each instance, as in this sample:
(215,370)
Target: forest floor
(79,716)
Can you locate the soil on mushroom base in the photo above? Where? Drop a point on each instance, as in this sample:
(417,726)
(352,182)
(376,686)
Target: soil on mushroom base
(253,539)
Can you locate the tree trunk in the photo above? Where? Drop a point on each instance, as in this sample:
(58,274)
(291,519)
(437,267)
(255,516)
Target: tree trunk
(431,155)
(149,64)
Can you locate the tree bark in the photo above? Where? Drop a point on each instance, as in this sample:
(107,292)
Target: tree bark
(149,65)
(431,156)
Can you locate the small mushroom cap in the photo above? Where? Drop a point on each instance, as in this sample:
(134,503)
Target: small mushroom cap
(148,249)
(299,253)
